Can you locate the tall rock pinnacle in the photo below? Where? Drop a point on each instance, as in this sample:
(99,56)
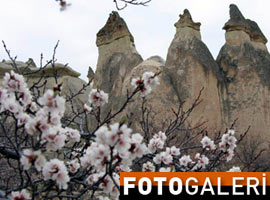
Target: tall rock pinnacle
(191,67)
(117,57)
(244,62)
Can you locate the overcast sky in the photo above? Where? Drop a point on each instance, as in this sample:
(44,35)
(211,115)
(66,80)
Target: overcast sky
(32,27)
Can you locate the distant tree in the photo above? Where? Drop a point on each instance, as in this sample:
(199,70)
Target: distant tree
(120,4)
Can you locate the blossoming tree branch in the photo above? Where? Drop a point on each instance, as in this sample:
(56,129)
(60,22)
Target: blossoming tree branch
(52,157)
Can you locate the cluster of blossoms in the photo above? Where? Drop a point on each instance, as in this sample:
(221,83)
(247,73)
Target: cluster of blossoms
(208,144)
(56,171)
(113,149)
(15,97)
(148,167)
(228,144)
(114,144)
(157,142)
(32,158)
(43,121)
(97,98)
(185,160)
(146,83)
(201,161)
(170,158)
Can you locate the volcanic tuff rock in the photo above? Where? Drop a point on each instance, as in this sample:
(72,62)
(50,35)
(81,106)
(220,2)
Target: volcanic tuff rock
(117,57)
(245,64)
(236,85)
(191,67)
(90,74)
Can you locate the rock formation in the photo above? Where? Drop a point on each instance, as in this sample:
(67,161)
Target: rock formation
(191,67)
(245,64)
(90,74)
(236,85)
(117,57)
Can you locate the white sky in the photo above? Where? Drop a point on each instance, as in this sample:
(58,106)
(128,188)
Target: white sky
(32,27)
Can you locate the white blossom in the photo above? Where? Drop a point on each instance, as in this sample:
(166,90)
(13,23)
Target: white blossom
(163,157)
(234,169)
(202,161)
(73,166)
(157,141)
(228,144)
(52,102)
(96,155)
(173,151)
(165,169)
(21,195)
(30,158)
(229,155)
(145,84)
(185,160)
(72,134)
(98,98)
(148,167)
(107,184)
(87,108)
(14,82)
(93,178)
(150,79)
(231,132)
(54,139)
(137,146)
(208,143)
(56,171)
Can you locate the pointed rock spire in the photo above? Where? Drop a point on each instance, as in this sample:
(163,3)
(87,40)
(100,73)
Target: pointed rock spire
(115,28)
(186,21)
(90,74)
(237,22)
(235,14)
